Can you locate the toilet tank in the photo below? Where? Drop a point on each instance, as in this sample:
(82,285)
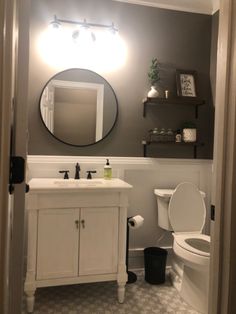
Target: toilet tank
(163,198)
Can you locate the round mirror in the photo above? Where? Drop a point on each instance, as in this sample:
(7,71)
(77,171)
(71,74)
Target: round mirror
(78,107)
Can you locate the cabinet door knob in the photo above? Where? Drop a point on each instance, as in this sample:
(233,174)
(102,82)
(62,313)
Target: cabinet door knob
(83,223)
(77,224)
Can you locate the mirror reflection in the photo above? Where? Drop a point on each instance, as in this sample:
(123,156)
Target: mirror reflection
(78,107)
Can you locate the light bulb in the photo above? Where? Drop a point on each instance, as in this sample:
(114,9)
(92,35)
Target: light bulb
(83,36)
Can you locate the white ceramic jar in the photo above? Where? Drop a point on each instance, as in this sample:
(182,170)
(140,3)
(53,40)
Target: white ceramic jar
(189,135)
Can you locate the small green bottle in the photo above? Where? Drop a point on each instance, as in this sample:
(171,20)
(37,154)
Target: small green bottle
(107,171)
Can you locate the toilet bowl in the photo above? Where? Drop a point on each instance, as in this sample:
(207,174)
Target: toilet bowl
(194,249)
(183,212)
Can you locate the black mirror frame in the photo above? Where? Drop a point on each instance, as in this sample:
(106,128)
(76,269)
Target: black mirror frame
(76,145)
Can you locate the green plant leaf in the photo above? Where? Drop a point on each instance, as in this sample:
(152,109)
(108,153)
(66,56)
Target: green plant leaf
(154,72)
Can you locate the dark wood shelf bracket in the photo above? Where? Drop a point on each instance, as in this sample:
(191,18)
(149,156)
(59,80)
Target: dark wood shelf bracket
(144,109)
(195,151)
(196,111)
(144,150)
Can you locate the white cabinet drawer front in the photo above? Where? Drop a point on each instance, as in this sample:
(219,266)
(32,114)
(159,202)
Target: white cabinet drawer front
(98,241)
(73,199)
(57,246)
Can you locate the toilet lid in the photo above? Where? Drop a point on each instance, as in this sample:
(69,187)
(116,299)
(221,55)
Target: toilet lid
(187,211)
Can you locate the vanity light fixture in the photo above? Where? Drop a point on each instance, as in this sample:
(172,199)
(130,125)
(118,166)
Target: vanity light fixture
(84,28)
(81,44)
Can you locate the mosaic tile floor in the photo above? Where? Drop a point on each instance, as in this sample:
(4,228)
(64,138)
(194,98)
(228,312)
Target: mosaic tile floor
(101,298)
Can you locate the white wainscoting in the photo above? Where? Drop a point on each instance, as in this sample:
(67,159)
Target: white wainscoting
(144,174)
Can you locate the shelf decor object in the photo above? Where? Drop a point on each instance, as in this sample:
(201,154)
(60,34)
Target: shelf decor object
(186,83)
(161,135)
(154,77)
(153,92)
(189,132)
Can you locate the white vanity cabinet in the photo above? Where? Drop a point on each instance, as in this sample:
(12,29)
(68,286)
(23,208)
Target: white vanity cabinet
(76,234)
(74,242)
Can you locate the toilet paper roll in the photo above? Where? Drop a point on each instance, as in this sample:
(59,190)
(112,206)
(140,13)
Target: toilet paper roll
(135,222)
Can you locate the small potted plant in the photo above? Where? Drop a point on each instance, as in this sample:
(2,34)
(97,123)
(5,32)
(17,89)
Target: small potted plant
(154,78)
(189,132)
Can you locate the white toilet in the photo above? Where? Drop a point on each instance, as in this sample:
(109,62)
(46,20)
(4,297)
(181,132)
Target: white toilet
(183,212)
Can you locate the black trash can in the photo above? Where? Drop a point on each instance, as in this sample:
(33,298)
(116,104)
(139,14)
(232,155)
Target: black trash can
(155,265)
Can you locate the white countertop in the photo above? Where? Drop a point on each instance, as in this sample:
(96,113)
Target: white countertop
(54,184)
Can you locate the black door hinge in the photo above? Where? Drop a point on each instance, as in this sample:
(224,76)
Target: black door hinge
(17,172)
(213,212)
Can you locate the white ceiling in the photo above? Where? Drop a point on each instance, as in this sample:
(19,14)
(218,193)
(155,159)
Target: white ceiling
(196,6)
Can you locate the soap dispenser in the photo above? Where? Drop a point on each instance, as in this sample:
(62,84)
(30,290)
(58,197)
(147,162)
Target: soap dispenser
(107,170)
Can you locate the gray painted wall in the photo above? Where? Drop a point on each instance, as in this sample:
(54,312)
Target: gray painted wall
(178,39)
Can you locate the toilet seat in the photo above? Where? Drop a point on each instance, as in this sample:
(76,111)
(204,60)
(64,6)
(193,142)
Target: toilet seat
(195,243)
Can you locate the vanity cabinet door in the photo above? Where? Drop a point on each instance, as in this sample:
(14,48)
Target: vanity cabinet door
(57,244)
(98,241)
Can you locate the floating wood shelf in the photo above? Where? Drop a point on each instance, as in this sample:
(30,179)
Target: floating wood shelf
(192,101)
(191,144)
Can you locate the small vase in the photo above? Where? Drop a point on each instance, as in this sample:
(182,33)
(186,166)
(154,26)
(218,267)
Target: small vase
(153,93)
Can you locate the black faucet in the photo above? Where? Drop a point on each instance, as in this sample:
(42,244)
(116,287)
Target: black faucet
(66,176)
(89,176)
(77,170)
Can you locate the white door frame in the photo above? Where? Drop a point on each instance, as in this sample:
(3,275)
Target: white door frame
(223,263)
(14,30)
(20,134)
(6,82)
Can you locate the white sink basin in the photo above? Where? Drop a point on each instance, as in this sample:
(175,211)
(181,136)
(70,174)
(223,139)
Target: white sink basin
(79,182)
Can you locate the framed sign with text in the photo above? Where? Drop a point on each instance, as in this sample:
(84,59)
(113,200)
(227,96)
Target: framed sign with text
(186,83)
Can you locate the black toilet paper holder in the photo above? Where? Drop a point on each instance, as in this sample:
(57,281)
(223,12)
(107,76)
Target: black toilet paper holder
(132,277)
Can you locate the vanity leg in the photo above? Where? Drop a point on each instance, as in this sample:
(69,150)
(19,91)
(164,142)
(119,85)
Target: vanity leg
(30,300)
(121,292)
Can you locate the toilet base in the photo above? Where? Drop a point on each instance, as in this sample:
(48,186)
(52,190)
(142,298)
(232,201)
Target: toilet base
(192,285)
(194,289)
